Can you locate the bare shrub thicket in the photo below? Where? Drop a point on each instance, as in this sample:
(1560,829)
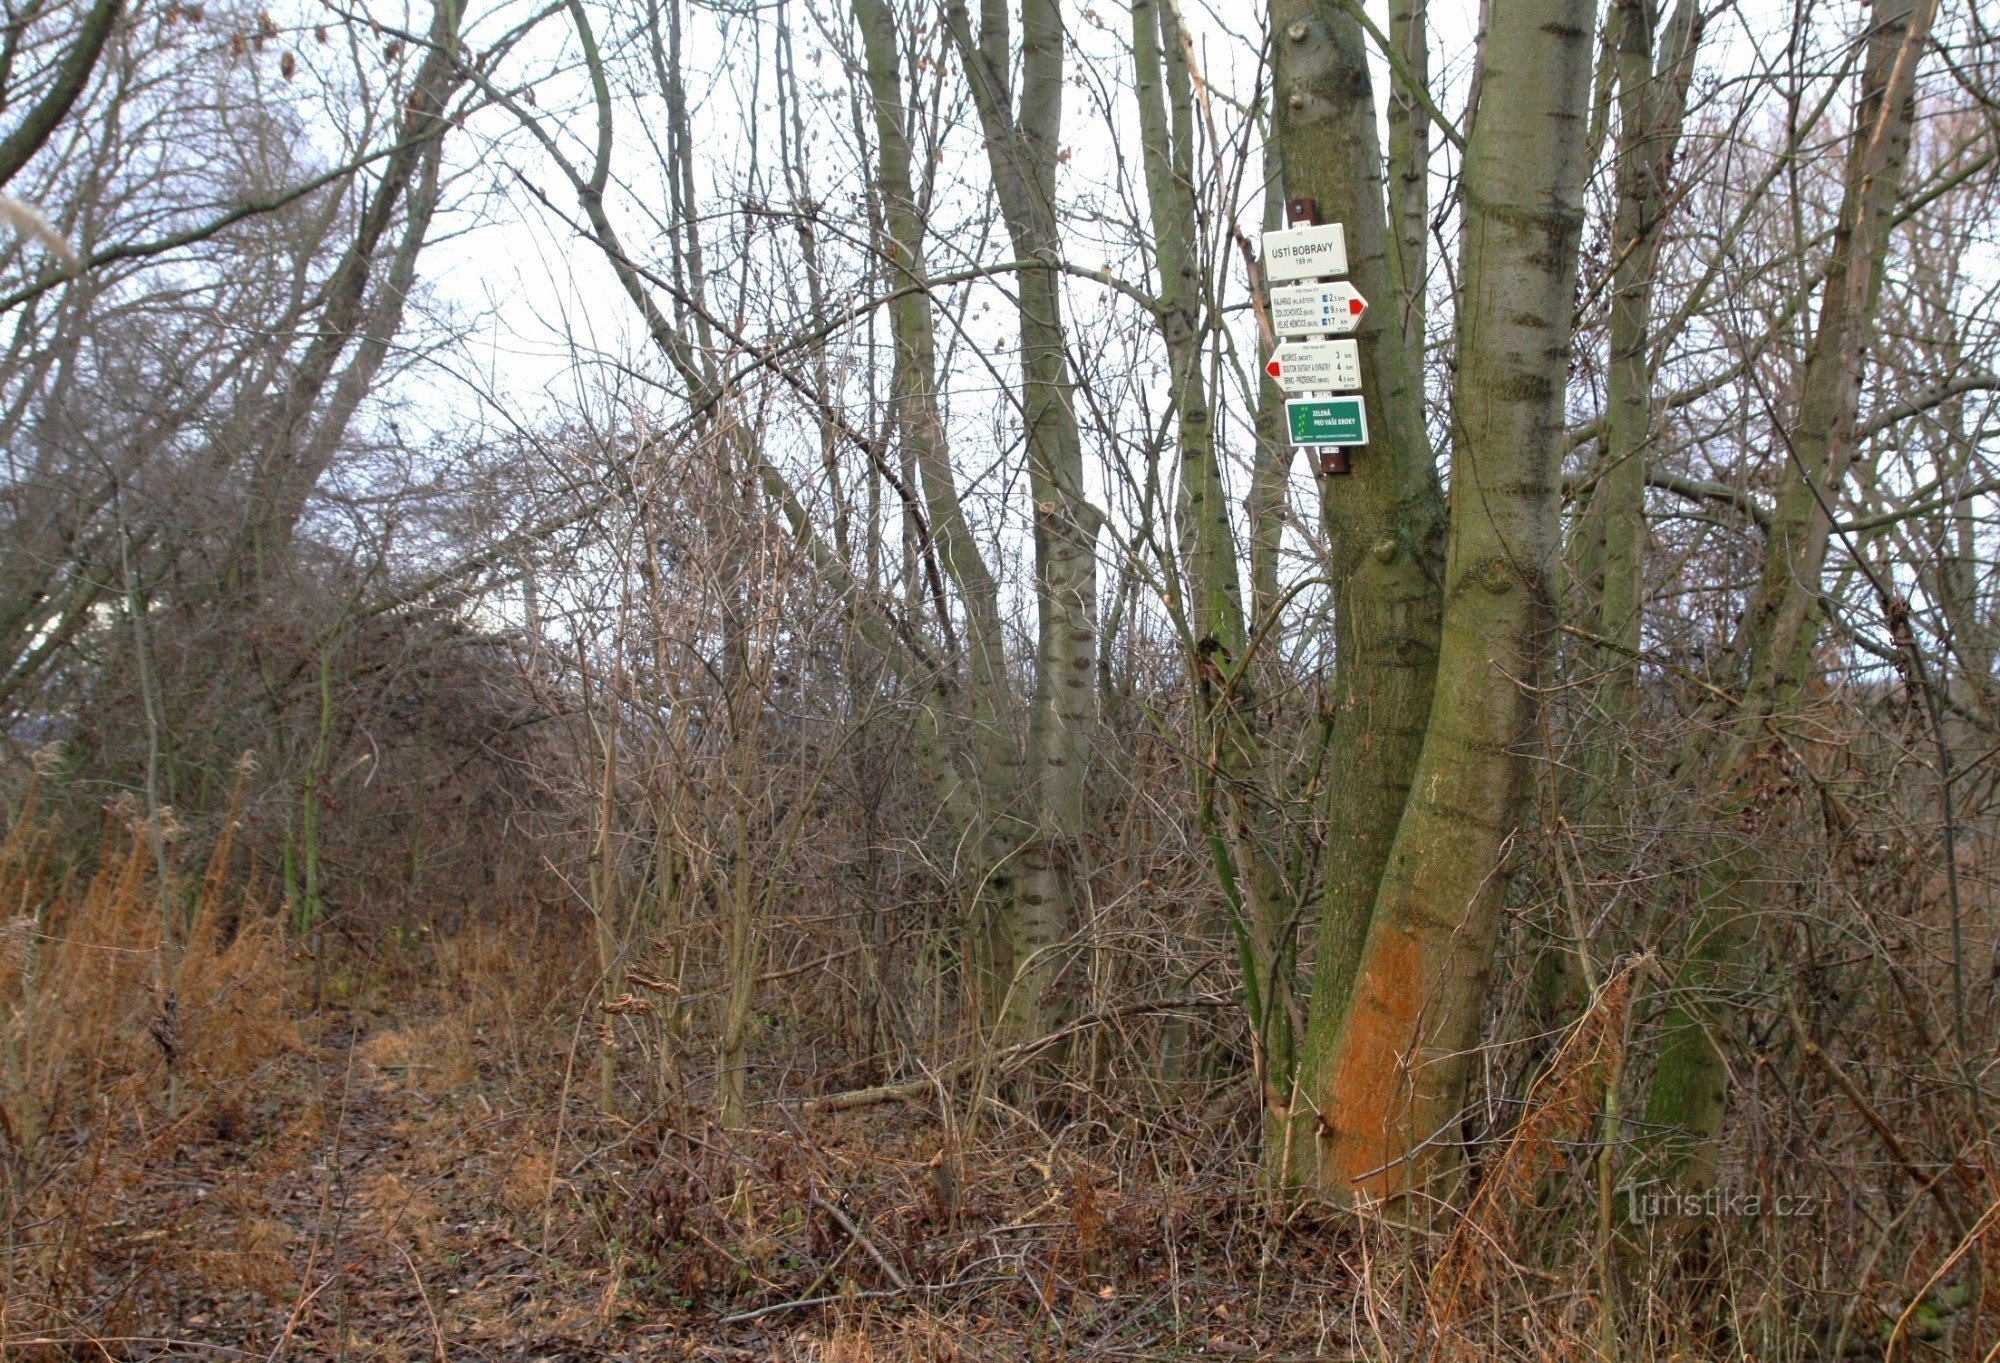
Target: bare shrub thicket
(883,810)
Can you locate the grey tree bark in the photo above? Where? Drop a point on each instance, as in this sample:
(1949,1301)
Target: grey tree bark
(1022,130)
(1384,525)
(1394,1020)
(1773,644)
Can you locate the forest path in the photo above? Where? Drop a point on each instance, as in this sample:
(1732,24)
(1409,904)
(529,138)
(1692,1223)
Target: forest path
(397,1186)
(341,1206)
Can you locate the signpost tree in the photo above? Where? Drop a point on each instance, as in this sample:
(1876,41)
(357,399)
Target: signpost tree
(1437,661)
(1322,307)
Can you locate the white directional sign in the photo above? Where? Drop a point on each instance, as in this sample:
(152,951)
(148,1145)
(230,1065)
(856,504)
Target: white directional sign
(1316,309)
(1305,253)
(1317,366)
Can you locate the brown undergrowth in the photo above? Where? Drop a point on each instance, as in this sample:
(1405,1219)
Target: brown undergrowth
(392,1145)
(116,1050)
(295,1149)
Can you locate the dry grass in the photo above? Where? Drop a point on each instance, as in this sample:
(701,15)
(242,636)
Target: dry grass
(426,1164)
(402,1211)
(116,1051)
(1478,1280)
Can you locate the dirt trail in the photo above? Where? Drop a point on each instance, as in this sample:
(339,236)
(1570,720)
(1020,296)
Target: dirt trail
(398,1192)
(338,1210)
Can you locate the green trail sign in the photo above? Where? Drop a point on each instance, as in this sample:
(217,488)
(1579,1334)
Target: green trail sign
(1327,421)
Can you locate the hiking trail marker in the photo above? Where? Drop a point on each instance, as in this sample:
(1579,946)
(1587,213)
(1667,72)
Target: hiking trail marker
(1316,366)
(1327,421)
(1316,309)
(1309,307)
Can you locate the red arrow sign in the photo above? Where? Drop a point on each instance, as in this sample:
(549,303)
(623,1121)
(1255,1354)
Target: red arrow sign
(1316,309)
(1316,366)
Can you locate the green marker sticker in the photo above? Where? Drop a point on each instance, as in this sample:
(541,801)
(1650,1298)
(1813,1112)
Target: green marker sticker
(1327,421)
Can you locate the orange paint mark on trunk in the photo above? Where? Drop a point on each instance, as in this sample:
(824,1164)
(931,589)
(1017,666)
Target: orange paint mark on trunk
(1366,1100)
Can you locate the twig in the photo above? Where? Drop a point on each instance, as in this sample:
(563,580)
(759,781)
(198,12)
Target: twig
(326,1211)
(804,1303)
(97,1341)
(437,1331)
(1909,661)
(555,1149)
(1965,1244)
(847,1224)
(1876,1122)
(875,1294)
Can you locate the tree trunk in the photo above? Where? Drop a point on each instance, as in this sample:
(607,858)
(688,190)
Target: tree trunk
(1410,176)
(1389,1068)
(983,770)
(1774,641)
(1384,522)
(1266,506)
(73,71)
(1652,105)
(1022,139)
(292,462)
(1229,758)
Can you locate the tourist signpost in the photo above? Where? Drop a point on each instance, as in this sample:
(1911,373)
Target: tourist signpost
(1309,307)
(1315,252)
(1316,366)
(1316,309)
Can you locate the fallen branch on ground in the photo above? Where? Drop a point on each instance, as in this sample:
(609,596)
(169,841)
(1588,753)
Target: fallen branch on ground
(1006,1057)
